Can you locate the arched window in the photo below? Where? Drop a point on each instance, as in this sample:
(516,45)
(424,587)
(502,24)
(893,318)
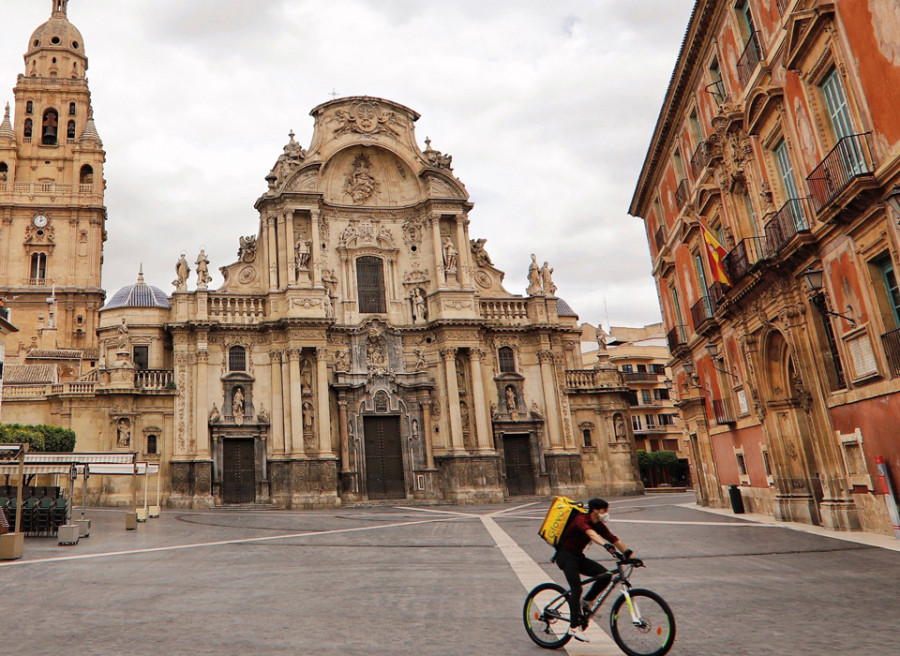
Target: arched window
(87,174)
(370,284)
(48,127)
(28,128)
(237,358)
(4,171)
(507,359)
(151,444)
(70,130)
(38,266)
(72,109)
(29,107)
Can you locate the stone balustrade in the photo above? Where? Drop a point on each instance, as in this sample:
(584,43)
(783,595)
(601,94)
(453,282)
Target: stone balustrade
(154,379)
(236,309)
(582,379)
(504,310)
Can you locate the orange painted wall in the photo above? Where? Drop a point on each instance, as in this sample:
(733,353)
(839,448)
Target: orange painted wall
(878,419)
(724,445)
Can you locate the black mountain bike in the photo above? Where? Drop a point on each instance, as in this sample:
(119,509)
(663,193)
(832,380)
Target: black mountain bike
(641,622)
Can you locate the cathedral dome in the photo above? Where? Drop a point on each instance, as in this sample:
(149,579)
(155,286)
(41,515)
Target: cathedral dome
(57,32)
(138,295)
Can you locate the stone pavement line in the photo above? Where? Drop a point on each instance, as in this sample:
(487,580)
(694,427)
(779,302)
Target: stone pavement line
(868,539)
(198,545)
(530,574)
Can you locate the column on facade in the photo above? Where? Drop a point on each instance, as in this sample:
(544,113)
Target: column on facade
(289,247)
(201,416)
(462,257)
(322,406)
(295,402)
(456,435)
(344,436)
(277,445)
(482,425)
(438,250)
(427,422)
(550,401)
(315,269)
(181,400)
(273,252)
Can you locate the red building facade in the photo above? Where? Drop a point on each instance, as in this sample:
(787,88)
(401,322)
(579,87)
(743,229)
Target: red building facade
(779,135)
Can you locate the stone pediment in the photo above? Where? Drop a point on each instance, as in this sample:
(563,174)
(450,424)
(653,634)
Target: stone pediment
(441,186)
(361,176)
(803,28)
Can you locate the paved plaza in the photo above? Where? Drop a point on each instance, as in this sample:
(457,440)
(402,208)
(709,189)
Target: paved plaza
(435,581)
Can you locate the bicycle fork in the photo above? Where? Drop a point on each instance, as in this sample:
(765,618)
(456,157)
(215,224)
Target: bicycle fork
(632,607)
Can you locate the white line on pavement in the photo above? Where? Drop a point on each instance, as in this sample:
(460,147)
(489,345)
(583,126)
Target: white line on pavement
(433,510)
(530,574)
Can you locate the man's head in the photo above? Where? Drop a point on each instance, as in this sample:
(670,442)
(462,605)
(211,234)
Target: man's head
(596,508)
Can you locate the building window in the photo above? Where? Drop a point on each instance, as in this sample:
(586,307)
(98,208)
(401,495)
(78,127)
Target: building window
(72,109)
(642,368)
(661,394)
(767,465)
(651,421)
(141,357)
(87,174)
(370,284)
(70,130)
(29,127)
(507,359)
(658,368)
(237,358)
(29,107)
(151,444)
(48,127)
(715,86)
(632,397)
(586,436)
(4,171)
(646,399)
(786,170)
(636,422)
(627,369)
(38,266)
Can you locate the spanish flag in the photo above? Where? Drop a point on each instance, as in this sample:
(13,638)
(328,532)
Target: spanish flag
(715,253)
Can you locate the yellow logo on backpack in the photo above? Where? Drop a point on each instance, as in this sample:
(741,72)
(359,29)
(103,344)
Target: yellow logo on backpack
(562,510)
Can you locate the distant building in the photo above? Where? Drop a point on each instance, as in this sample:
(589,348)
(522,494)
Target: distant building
(5,329)
(771,198)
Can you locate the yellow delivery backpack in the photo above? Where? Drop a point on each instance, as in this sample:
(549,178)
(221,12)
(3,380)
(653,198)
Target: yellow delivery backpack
(562,510)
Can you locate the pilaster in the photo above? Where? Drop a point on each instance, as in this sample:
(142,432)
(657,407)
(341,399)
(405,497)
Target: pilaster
(323,410)
(456,435)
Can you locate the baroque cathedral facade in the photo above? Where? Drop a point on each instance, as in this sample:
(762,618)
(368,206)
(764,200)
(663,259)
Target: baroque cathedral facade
(361,347)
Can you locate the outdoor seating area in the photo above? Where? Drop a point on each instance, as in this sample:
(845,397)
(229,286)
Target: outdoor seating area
(43,509)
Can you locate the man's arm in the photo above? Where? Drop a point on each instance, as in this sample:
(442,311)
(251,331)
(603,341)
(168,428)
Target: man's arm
(595,537)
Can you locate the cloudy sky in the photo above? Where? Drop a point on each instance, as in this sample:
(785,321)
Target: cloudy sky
(546,107)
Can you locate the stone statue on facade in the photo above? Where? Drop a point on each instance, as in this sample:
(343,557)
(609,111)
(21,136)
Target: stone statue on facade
(301,252)
(601,338)
(534,277)
(123,433)
(420,362)
(247,248)
(450,254)
(237,406)
(480,255)
(203,277)
(547,280)
(511,404)
(418,306)
(262,417)
(328,306)
(340,360)
(620,427)
(123,336)
(182,271)
(214,415)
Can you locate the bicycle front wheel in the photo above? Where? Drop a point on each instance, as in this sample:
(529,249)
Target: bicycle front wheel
(547,615)
(647,631)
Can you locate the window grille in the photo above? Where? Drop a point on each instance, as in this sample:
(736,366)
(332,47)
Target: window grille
(507,360)
(370,284)
(237,358)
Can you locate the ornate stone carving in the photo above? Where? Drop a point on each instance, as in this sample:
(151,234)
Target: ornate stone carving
(359,183)
(412,232)
(366,117)
(435,157)
(247,248)
(203,277)
(480,255)
(534,277)
(182,271)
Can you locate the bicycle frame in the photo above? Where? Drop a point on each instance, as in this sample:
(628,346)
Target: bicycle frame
(620,578)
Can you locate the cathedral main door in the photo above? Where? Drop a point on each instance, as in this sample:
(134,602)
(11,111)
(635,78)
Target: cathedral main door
(384,458)
(238,471)
(519,468)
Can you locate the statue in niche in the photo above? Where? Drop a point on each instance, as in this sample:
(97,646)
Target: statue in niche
(301,252)
(122,331)
(420,362)
(480,255)
(534,277)
(415,429)
(203,277)
(123,433)
(182,271)
(328,306)
(511,403)
(547,280)
(418,306)
(340,360)
(619,427)
(330,280)
(359,183)
(262,416)
(308,418)
(493,410)
(214,415)
(375,353)
(305,377)
(450,254)
(237,406)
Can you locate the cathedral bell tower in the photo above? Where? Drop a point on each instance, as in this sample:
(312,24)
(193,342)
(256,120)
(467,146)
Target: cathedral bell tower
(52,216)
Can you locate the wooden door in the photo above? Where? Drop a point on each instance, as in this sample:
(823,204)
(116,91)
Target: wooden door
(239,471)
(519,467)
(384,458)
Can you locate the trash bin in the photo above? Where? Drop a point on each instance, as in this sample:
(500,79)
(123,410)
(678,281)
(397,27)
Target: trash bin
(737,503)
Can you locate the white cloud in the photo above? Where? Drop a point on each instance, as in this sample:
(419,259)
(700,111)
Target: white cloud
(547,109)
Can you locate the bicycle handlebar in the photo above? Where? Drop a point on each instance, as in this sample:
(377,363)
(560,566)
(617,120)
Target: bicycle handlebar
(623,558)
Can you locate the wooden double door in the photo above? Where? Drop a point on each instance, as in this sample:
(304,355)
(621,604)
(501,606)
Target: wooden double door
(519,465)
(384,458)
(238,470)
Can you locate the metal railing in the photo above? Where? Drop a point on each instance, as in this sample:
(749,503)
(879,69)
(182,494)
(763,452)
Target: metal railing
(717,90)
(750,58)
(891,343)
(682,193)
(748,252)
(36,282)
(699,160)
(661,237)
(703,310)
(723,411)
(677,336)
(793,218)
(851,158)
(640,376)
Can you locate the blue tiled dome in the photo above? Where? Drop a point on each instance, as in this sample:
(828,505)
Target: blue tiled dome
(138,295)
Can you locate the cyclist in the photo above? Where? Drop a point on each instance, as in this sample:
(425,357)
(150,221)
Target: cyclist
(581,531)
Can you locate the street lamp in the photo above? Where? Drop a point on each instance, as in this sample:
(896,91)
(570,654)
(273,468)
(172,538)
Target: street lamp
(713,349)
(893,200)
(815,281)
(689,370)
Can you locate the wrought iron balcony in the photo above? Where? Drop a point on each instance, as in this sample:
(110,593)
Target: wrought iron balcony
(723,411)
(851,158)
(793,218)
(747,253)
(702,311)
(750,58)
(661,237)
(677,337)
(699,160)
(640,377)
(4,314)
(717,91)
(891,343)
(681,193)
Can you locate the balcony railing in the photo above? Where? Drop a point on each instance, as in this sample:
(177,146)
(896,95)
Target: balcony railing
(891,343)
(504,310)
(582,379)
(699,160)
(36,282)
(237,309)
(851,158)
(723,411)
(717,91)
(661,237)
(703,310)
(4,313)
(744,256)
(677,337)
(682,193)
(750,58)
(640,377)
(793,218)
(154,379)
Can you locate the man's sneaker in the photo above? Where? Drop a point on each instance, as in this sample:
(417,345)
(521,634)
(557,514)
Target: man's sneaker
(577,632)
(587,605)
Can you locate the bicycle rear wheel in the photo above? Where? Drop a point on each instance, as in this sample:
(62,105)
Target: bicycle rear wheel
(547,615)
(652,633)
